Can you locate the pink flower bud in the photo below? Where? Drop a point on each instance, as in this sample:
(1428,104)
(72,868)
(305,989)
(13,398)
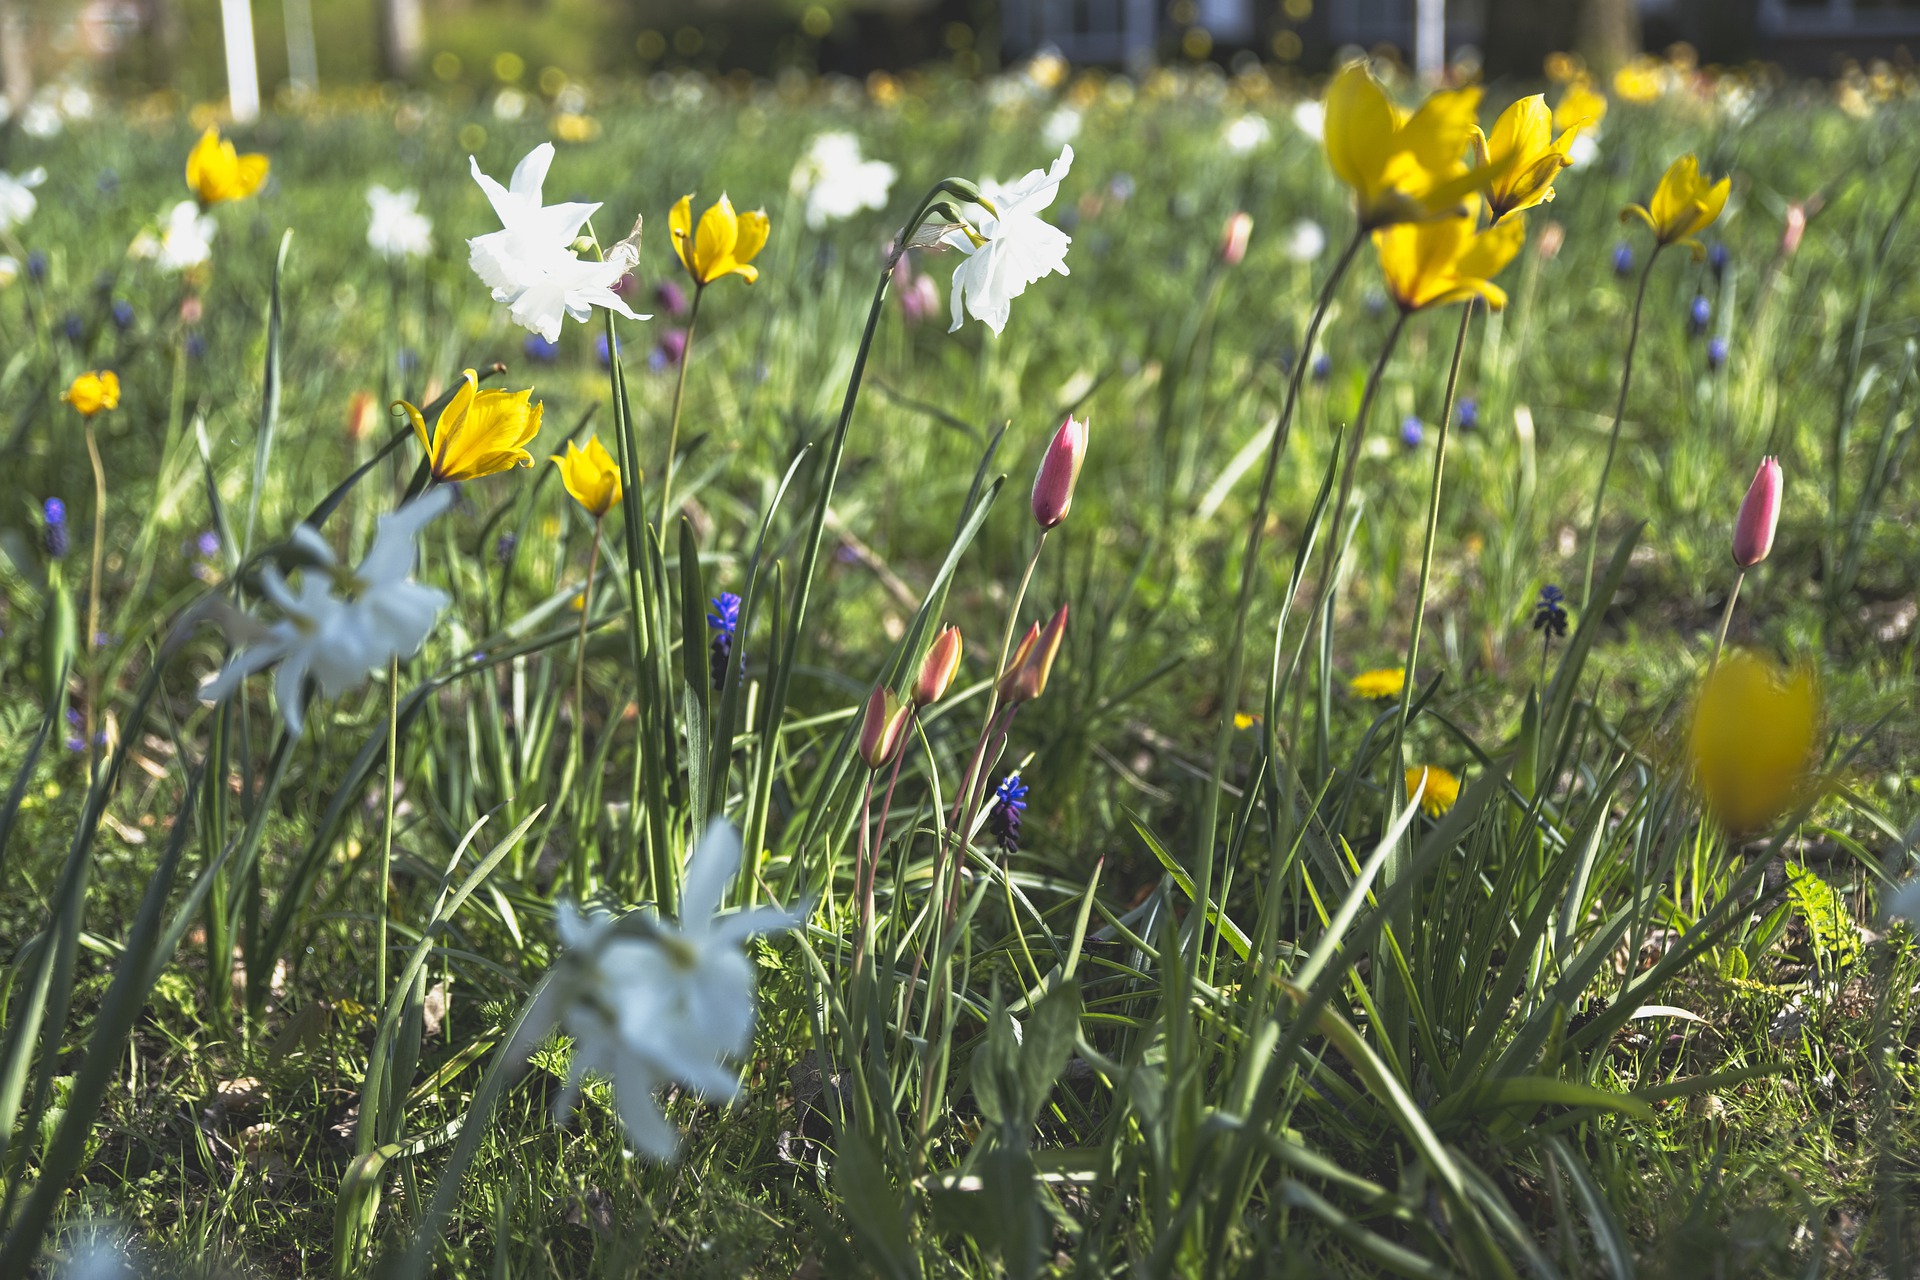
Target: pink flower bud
(1233,241)
(1552,236)
(1759,514)
(883,728)
(1029,677)
(1795,228)
(1005,681)
(1053,485)
(937,668)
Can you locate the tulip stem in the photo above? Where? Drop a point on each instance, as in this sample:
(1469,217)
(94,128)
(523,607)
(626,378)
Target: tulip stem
(386,838)
(1726,616)
(1613,436)
(580,868)
(92,639)
(673,419)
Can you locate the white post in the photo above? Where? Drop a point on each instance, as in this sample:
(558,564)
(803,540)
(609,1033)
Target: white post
(303,64)
(1429,38)
(243,73)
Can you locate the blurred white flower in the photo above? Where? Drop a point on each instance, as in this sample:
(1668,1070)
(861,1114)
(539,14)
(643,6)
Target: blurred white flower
(184,240)
(837,182)
(9,269)
(41,119)
(530,264)
(1247,133)
(1904,903)
(1310,118)
(1306,240)
(509,104)
(342,624)
(648,1002)
(1062,127)
(398,229)
(1583,151)
(101,1256)
(1008,247)
(17,201)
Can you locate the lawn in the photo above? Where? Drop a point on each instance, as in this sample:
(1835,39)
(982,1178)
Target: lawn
(1200,944)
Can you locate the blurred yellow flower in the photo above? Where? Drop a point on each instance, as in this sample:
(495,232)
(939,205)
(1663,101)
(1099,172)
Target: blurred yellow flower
(591,476)
(1684,205)
(1562,67)
(725,244)
(1429,264)
(1581,106)
(1640,80)
(1752,736)
(217,173)
(1522,141)
(1401,167)
(479,433)
(1386,682)
(1443,788)
(91,392)
(571,126)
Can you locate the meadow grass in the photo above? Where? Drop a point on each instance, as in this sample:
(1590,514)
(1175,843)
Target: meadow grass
(1570,1026)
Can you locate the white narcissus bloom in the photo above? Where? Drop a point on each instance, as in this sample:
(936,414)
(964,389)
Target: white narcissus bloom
(340,625)
(1310,118)
(185,240)
(1062,127)
(837,182)
(398,229)
(1246,134)
(530,264)
(1306,240)
(648,1002)
(1008,247)
(17,201)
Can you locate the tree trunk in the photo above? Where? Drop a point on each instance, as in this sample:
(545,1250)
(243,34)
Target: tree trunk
(403,37)
(1519,34)
(16,60)
(1607,34)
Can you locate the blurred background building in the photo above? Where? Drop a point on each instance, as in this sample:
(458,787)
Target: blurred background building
(193,47)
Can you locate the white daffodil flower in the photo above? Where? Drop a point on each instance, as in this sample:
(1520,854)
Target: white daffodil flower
(398,228)
(1246,134)
(1007,245)
(17,201)
(1310,118)
(648,1002)
(530,264)
(184,240)
(837,182)
(1306,240)
(340,625)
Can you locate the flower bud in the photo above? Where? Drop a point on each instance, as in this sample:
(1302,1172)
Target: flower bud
(1759,515)
(937,668)
(1233,241)
(1552,236)
(361,411)
(1795,228)
(1029,676)
(1059,470)
(883,729)
(1004,684)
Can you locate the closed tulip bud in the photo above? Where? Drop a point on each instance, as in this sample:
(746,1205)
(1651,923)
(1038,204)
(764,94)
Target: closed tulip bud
(1030,677)
(937,668)
(1795,228)
(883,729)
(1759,515)
(1552,236)
(1233,241)
(1004,684)
(1059,471)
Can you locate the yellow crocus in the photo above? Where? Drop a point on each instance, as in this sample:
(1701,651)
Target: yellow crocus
(725,244)
(479,433)
(1752,738)
(1401,167)
(1430,264)
(591,476)
(91,392)
(217,173)
(1443,788)
(1580,107)
(1684,205)
(1386,682)
(1527,155)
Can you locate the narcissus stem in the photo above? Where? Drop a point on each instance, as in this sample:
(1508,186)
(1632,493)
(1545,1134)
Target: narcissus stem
(673,420)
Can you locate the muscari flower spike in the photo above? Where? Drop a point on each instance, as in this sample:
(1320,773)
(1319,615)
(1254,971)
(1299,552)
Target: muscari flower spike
(1003,820)
(56,537)
(1550,613)
(1412,432)
(1622,258)
(1322,368)
(1699,315)
(723,620)
(1468,413)
(1716,353)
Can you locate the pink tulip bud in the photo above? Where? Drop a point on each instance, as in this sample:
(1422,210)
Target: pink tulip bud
(1552,236)
(1005,681)
(937,668)
(1759,514)
(883,728)
(1795,228)
(1233,241)
(1053,486)
(1029,677)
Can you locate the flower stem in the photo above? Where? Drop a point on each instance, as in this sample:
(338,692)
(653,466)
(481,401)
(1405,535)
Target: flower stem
(1613,437)
(1726,616)
(386,839)
(673,420)
(580,868)
(93,589)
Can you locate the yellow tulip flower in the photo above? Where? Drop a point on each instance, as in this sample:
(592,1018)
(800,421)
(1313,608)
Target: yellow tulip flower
(1401,167)
(1443,788)
(1522,140)
(1752,736)
(725,244)
(1684,205)
(591,476)
(91,392)
(216,172)
(1429,264)
(480,433)
(1580,107)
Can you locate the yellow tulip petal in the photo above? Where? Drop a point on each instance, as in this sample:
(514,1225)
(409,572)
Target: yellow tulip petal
(713,242)
(680,228)
(1359,127)
(753,231)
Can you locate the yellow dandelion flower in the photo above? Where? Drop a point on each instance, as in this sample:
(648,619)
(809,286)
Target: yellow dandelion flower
(1443,788)
(91,392)
(1386,682)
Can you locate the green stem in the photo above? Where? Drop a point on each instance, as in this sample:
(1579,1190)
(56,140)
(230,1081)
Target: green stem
(673,421)
(1726,616)
(91,640)
(386,843)
(1613,437)
(580,848)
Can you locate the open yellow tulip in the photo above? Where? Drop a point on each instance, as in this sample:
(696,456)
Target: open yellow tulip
(1522,142)
(1684,205)
(1752,738)
(1429,264)
(1401,167)
(725,243)
(217,173)
(479,433)
(91,392)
